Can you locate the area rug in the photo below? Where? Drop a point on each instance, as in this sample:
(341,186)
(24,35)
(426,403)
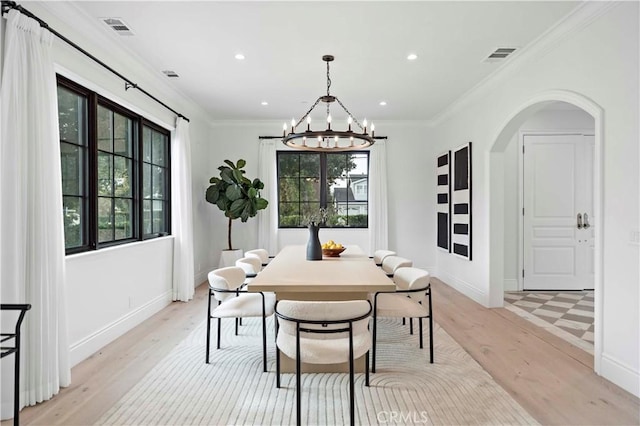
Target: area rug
(233,390)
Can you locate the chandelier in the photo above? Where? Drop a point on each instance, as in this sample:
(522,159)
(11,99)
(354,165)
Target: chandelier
(328,139)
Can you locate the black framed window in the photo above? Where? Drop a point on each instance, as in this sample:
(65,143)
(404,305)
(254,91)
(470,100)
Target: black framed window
(115,172)
(336,181)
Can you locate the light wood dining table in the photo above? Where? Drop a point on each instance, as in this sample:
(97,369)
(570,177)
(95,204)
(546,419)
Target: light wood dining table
(348,277)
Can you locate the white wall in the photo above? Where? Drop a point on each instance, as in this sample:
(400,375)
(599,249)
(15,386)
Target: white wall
(600,62)
(110,291)
(410,178)
(547,120)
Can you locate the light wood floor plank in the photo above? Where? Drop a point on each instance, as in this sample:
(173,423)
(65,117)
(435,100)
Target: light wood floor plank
(551,379)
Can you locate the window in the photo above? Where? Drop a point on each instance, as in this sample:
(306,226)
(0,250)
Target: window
(115,172)
(337,181)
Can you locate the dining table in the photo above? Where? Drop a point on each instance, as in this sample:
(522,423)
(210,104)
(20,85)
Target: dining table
(350,276)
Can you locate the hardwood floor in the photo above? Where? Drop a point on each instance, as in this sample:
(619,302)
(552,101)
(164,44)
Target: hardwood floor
(551,379)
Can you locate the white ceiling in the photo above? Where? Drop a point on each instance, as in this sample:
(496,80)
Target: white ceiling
(283,43)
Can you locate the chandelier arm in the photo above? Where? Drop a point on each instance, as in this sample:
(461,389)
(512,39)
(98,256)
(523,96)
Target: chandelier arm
(355,120)
(308,112)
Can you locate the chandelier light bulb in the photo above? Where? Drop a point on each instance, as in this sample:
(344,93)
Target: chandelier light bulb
(335,142)
(364,123)
(351,140)
(284,129)
(293,125)
(349,121)
(308,123)
(373,129)
(304,141)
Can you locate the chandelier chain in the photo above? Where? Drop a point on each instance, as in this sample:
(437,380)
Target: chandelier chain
(308,112)
(328,80)
(355,120)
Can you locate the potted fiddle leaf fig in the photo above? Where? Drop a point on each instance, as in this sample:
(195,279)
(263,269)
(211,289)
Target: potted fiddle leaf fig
(236,195)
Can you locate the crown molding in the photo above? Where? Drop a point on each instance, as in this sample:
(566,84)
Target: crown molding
(579,18)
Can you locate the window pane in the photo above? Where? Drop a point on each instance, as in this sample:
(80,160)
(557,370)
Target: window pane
(310,165)
(72,212)
(310,189)
(123,218)
(105,221)
(146,144)
(123,133)
(71,166)
(158,182)
(146,217)
(121,176)
(338,165)
(105,174)
(308,209)
(289,214)
(72,113)
(289,189)
(159,148)
(105,129)
(146,181)
(158,217)
(288,165)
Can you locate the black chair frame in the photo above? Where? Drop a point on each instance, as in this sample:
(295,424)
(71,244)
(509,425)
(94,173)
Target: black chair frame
(300,329)
(14,349)
(209,317)
(427,292)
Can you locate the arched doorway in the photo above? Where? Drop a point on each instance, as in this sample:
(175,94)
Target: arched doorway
(496,201)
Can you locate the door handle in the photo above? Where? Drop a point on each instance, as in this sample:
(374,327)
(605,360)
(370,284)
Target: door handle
(586,221)
(579,220)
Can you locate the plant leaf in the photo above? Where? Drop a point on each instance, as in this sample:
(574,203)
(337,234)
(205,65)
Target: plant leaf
(237,207)
(237,175)
(261,204)
(230,164)
(212,194)
(233,192)
(225,174)
(241,163)
(252,193)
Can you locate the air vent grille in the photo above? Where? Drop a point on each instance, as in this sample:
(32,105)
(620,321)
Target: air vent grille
(118,25)
(500,54)
(170,73)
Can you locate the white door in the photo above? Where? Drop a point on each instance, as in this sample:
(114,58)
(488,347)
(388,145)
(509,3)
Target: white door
(557,213)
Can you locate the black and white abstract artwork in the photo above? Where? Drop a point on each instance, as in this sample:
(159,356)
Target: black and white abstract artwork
(461,201)
(443,206)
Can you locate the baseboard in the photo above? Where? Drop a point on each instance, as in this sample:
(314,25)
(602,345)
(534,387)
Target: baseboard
(200,278)
(86,347)
(620,374)
(465,288)
(510,284)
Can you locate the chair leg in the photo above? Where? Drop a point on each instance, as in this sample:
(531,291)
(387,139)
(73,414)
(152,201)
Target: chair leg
(352,414)
(373,346)
(430,329)
(237,321)
(264,344)
(298,379)
(277,368)
(219,332)
(208,328)
(420,327)
(366,369)
(411,326)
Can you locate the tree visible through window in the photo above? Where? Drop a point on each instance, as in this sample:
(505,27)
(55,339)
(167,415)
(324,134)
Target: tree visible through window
(336,181)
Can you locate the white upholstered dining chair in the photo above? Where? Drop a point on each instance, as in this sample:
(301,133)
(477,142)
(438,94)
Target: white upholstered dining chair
(392,263)
(411,299)
(380,255)
(226,286)
(323,333)
(261,254)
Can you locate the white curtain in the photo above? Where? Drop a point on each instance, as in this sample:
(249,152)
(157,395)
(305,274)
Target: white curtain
(268,219)
(32,252)
(181,213)
(378,224)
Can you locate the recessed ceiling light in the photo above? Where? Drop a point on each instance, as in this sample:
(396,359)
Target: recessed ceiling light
(412,57)
(239,56)
(264,103)
(383,103)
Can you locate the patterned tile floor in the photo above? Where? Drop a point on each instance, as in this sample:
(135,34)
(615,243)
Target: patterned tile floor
(568,314)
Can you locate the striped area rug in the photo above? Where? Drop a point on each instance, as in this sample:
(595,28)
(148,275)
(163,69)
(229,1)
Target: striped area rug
(233,390)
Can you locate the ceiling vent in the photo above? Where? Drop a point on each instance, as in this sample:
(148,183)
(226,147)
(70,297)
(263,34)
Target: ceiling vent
(500,54)
(170,73)
(118,25)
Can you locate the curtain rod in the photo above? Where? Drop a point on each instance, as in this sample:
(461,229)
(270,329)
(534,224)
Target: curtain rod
(6,5)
